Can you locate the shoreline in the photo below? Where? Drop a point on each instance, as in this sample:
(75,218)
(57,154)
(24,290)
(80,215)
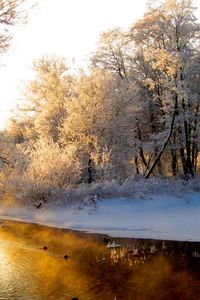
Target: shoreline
(160,218)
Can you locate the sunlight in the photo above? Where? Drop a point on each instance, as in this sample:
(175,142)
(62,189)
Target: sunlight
(73,33)
(5,261)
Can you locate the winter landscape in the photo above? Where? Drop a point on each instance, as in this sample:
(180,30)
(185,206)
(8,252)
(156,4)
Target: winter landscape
(99,162)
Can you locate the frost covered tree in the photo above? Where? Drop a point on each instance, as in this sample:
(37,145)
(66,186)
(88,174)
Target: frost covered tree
(12,12)
(115,53)
(46,97)
(166,54)
(98,122)
(159,57)
(112,52)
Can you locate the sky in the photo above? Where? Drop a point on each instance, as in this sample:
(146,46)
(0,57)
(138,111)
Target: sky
(68,28)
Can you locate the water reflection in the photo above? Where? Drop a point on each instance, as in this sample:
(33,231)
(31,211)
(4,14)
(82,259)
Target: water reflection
(138,251)
(37,262)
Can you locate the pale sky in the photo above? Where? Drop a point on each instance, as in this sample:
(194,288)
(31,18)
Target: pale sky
(69,28)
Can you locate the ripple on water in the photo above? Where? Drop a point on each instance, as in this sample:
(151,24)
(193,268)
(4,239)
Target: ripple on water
(19,275)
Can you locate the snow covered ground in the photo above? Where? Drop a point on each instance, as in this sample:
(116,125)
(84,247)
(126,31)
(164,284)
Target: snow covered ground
(161,217)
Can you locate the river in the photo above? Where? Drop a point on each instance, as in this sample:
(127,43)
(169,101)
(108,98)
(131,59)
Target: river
(44,263)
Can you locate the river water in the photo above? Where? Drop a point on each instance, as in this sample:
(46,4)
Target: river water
(41,263)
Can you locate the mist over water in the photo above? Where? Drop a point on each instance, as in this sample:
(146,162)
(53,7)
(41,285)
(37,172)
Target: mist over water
(40,263)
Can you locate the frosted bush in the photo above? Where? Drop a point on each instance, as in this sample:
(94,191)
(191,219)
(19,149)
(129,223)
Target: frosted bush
(17,162)
(53,165)
(45,175)
(140,188)
(136,188)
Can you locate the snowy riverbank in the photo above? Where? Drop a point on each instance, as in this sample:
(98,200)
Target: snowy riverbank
(161,217)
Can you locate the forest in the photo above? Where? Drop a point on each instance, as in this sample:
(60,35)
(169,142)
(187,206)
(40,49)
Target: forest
(134,113)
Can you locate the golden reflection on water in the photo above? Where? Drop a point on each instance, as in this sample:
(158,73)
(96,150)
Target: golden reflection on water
(4,259)
(29,272)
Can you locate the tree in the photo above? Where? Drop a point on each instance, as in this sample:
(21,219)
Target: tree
(47,95)
(98,123)
(112,52)
(166,43)
(115,52)
(12,12)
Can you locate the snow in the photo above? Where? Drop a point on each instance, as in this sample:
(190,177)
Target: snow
(161,217)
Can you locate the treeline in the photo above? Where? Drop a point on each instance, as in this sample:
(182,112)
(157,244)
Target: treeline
(135,112)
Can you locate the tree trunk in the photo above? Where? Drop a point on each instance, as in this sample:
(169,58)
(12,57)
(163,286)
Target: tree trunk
(184,164)
(187,143)
(194,143)
(174,162)
(136,165)
(167,140)
(89,168)
(194,155)
(139,135)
